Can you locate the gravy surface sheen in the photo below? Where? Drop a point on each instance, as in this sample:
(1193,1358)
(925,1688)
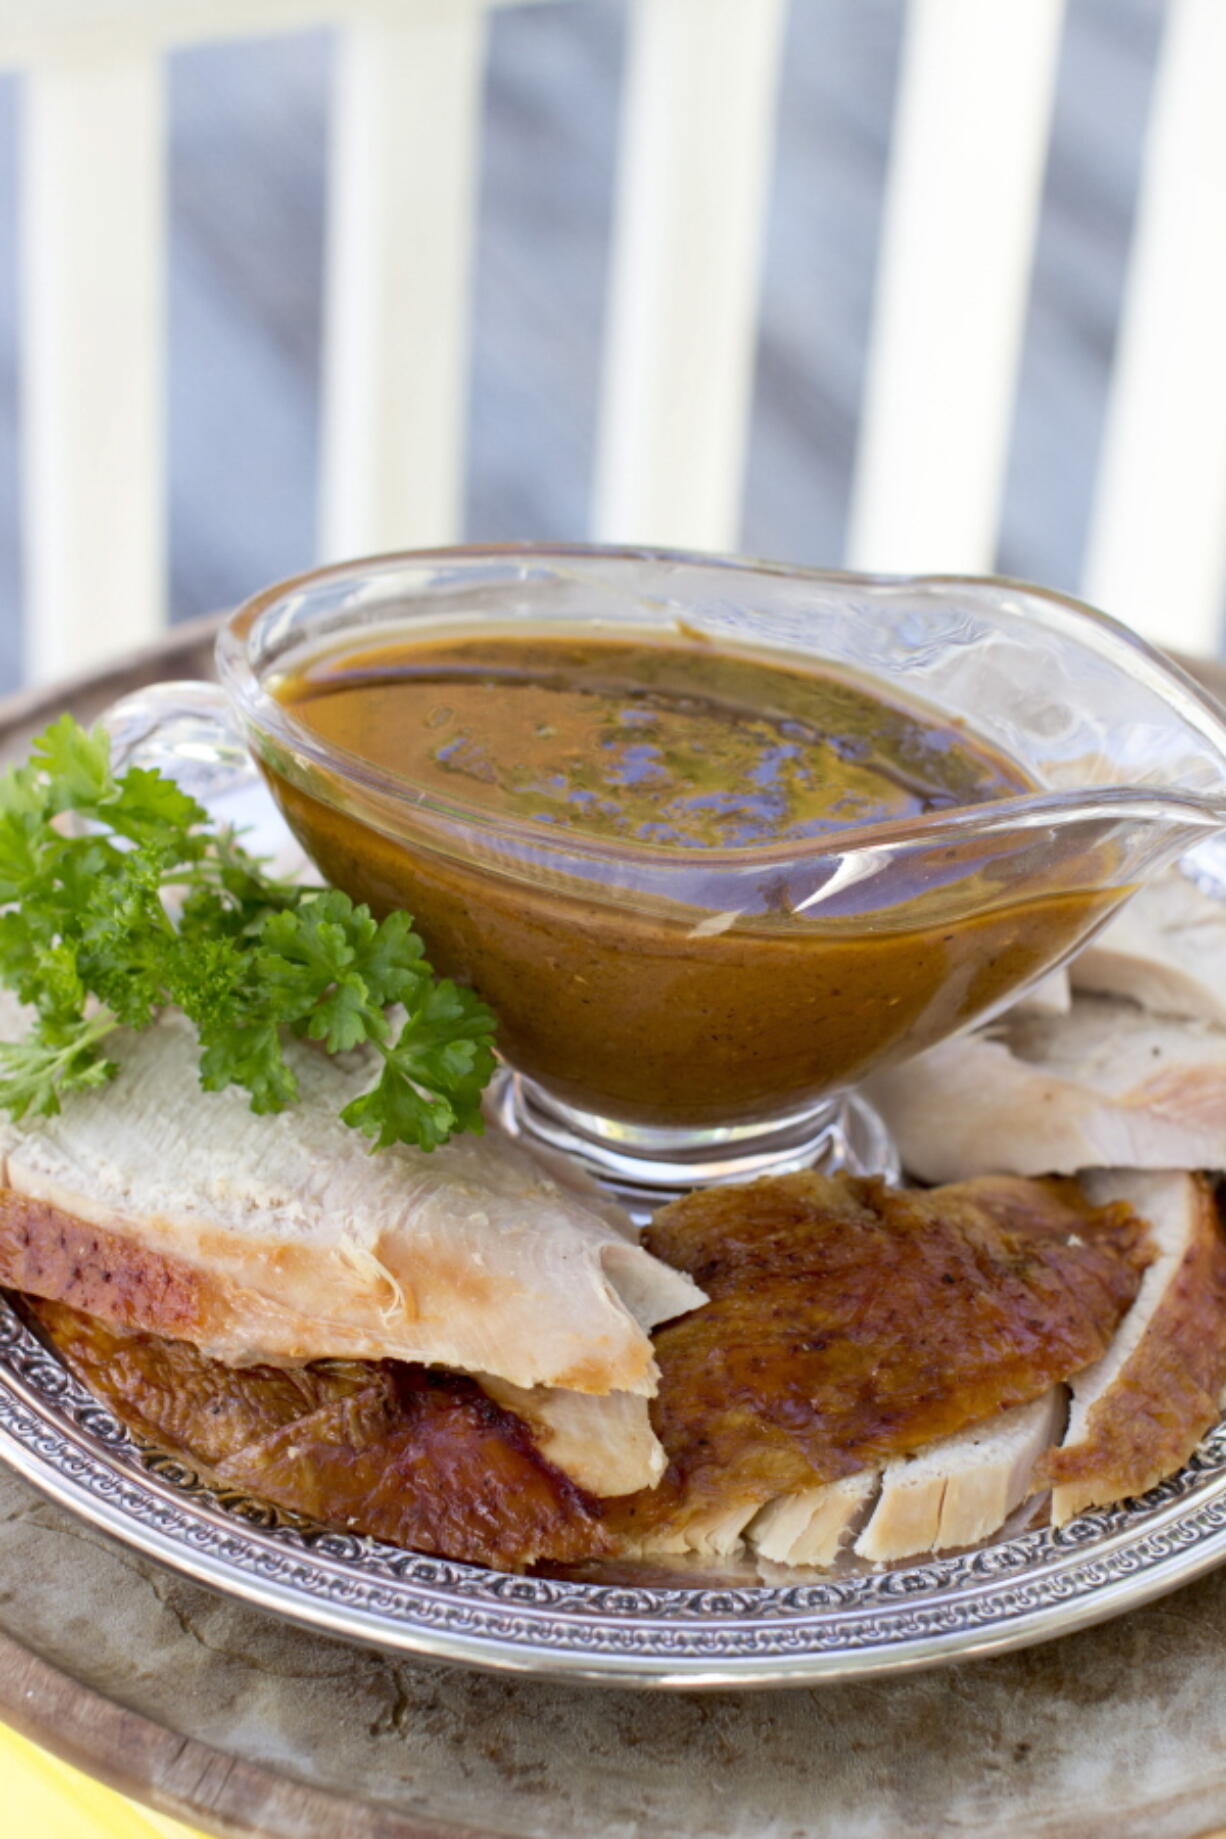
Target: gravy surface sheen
(648,743)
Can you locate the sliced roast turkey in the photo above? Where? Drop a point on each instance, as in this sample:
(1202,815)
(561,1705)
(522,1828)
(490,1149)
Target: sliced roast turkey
(1166,950)
(1139,1411)
(1105,1086)
(153,1205)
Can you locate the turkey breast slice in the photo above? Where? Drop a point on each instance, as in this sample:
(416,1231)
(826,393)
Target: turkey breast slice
(1135,1417)
(811,1528)
(1139,1411)
(952,1493)
(283,1239)
(962,1489)
(1105,1086)
(806,1528)
(606,1444)
(719,1532)
(1166,950)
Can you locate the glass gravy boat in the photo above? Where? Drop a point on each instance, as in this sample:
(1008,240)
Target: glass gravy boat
(669,1015)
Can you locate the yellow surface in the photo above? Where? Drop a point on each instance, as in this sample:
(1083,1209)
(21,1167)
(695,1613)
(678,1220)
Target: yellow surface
(43,1798)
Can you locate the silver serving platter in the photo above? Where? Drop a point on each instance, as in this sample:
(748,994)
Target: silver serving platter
(684,1633)
(691,1631)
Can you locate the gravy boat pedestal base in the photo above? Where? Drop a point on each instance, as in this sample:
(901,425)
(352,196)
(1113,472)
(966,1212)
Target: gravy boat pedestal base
(646,1168)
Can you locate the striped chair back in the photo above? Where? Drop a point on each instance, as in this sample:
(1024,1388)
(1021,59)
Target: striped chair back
(968,155)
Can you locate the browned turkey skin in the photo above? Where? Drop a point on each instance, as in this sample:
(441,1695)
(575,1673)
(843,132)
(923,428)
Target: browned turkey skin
(1169,1390)
(419,1458)
(850,1322)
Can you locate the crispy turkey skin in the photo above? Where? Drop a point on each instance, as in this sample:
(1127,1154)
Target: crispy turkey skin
(849,1325)
(850,1322)
(1139,1412)
(419,1458)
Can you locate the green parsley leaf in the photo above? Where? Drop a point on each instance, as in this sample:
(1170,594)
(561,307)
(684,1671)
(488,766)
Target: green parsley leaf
(250,1055)
(433,1078)
(140,904)
(150,808)
(35,1073)
(334,969)
(22,792)
(75,763)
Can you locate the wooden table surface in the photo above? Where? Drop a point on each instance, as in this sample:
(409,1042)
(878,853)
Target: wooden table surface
(242,1724)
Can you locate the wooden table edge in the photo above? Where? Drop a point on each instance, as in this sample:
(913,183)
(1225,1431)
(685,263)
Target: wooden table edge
(180,1776)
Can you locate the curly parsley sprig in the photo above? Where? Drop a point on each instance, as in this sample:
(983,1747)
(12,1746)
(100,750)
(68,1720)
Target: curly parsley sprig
(90,943)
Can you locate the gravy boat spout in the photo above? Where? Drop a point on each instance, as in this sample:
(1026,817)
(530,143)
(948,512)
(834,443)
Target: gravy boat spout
(697,1012)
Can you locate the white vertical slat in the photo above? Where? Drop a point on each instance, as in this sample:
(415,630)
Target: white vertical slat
(1157,549)
(680,345)
(961,208)
(92,259)
(400,230)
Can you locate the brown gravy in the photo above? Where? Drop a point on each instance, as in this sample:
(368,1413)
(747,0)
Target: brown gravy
(632,1007)
(679,745)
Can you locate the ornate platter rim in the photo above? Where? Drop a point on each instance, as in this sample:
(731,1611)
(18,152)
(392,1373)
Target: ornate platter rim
(1019,1591)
